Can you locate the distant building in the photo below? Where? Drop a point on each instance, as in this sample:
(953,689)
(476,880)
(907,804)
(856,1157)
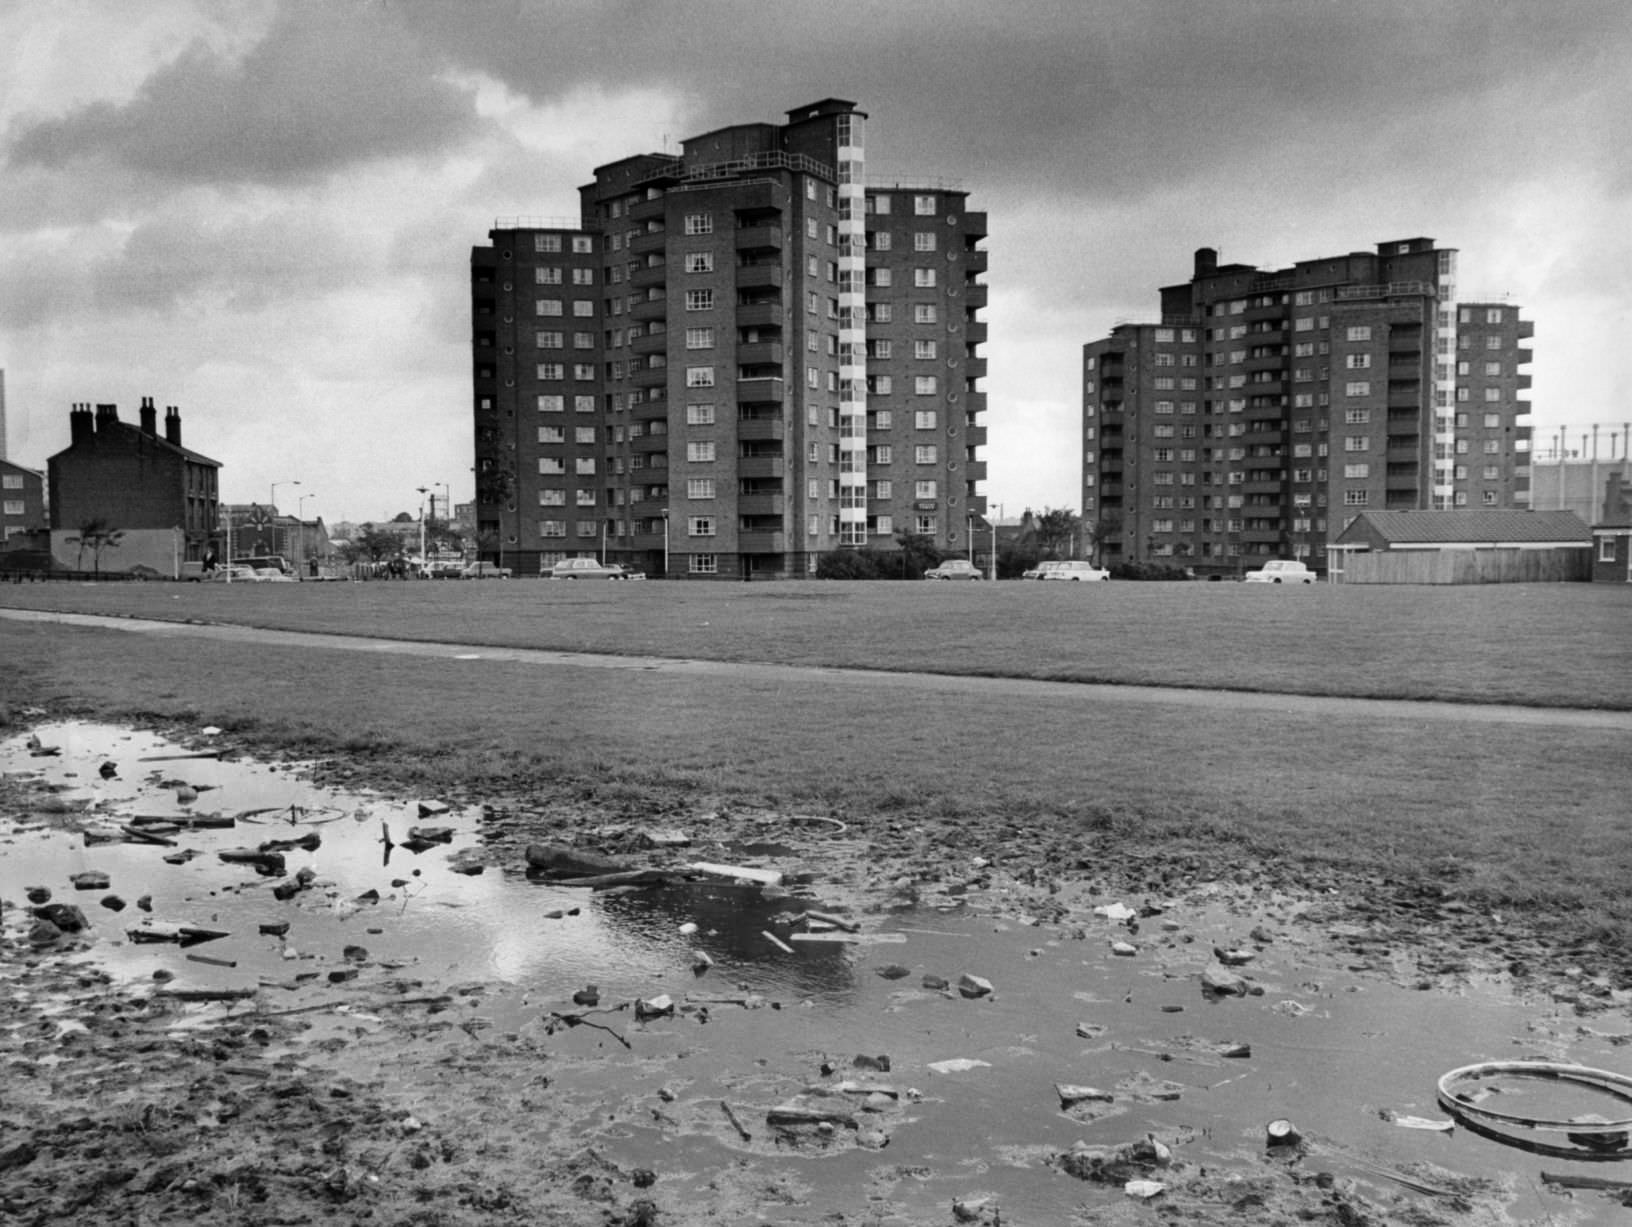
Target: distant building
(1462,546)
(738,358)
(1571,476)
(22,501)
(1612,534)
(159,497)
(1266,408)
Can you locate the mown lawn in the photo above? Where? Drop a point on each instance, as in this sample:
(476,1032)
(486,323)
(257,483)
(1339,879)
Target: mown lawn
(1525,819)
(1558,644)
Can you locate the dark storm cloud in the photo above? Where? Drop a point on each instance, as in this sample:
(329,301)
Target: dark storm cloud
(330,85)
(1082,98)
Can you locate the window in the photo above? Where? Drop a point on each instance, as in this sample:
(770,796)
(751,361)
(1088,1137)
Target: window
(699,377)
(1492,420)
(1606,548)
(1166,359)
(699,300)
(699,262)
(1493,342)
(923,489)
(699,223)
(583,244)
(923,385)
(552,434)
(546,242)
(923,240)
(881,276)
(1358,362)
(1493,394)
(880,240)
(699,526)
(1164,406)
(882,454)
(583,340)
(584,435)
(705,564)
(1493,315)
(544,275)
(1493,447)
(699,338)
(924,453)
(1354,498)
(552,404)
(699,415)
(923,313)
(879,203)
(700,451)
(549,466)
(1356,417)
(881,348)
(1357,387)
(548,306)
(550,340)
(583,276)
(883,489)
(923,278)
(881,385)
(923,206)
(583,404)
(552,528)
(584,466)
(923,349)
(1356,443)
(1357,470)
(1359,332)
(924,419)
(552,498)
(583,308)
(552,370)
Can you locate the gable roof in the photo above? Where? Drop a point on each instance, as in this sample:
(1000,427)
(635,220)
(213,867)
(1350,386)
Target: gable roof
(1470,525)
(130,429)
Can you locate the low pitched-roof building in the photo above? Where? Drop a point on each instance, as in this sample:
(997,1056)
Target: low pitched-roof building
(1612,535)
(1462,546)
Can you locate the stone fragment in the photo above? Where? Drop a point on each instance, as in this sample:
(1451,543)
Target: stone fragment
(1218,981)
(90,879)
(65,916)
(973,986)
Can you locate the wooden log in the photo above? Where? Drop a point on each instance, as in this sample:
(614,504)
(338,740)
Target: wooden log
(795,1114)
(207,994)
(571,862)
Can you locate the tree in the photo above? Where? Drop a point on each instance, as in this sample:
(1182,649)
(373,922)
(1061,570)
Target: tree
(918,554)
(1056,529)
(1097,532)
(96,534)
(372,543)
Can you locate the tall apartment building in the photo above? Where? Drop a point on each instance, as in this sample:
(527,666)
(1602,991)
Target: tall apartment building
(739,358)
(1267,408)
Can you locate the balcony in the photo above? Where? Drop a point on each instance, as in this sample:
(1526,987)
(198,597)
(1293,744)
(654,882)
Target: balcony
(760,315)
(760,353)
(1404,396)
(762,543)
(652,309)
(974,368)
(759,276)
(649,376)
(974,225)
(1263,485)
(644,410)
(647,210)
(759,238)
(1262,535)
(646,278)
(1268,362)
(647,444)
(975,436)
(1402,481)
(974,470)
(974,261)
(760,390)
(760,466)
(761,504)
(761,428)
(974,294)
(974,332)
(651,343)
(645,243)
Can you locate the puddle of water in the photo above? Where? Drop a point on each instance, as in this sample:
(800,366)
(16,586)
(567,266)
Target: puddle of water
(1338,1052)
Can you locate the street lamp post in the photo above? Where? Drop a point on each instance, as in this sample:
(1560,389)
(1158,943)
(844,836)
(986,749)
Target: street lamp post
(665,543)
(422,492)
(300,529)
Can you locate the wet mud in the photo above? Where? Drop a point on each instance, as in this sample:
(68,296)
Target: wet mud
(257,992)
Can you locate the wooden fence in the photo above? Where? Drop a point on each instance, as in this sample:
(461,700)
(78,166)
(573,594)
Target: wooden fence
(1476,566)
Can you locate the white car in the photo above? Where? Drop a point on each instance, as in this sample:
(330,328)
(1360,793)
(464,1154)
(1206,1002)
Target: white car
(1040,570)
(1281,571)
(1076,572)
(954,568)
(588,568)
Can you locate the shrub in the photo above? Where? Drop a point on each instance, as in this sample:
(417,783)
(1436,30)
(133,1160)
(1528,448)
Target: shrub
(1150,571)
(858,564)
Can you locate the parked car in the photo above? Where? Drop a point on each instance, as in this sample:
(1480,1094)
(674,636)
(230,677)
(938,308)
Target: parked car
(1075,572)
(443,570)
(1281,571)
(236,575)
(271,575)
(588,568)
(485,570)
(954,568)
(1040,570)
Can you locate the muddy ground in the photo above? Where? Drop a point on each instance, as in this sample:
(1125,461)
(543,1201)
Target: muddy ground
(121,1106)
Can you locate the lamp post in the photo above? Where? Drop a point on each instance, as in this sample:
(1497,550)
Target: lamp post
(423,490)
(665,543)
(300,528)
(272,509)
(991,563)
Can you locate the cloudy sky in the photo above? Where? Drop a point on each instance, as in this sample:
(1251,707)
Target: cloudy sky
(262,210)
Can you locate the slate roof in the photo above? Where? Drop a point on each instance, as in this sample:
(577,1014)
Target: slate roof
(1475,525)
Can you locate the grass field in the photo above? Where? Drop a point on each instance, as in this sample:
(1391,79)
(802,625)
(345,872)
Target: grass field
(1526,819)
(1556,645)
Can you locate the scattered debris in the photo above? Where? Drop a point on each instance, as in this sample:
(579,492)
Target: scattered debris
(974,986)
(1281,1133)
(958,1065)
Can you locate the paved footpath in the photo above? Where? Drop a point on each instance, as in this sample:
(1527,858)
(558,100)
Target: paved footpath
(1234,700)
